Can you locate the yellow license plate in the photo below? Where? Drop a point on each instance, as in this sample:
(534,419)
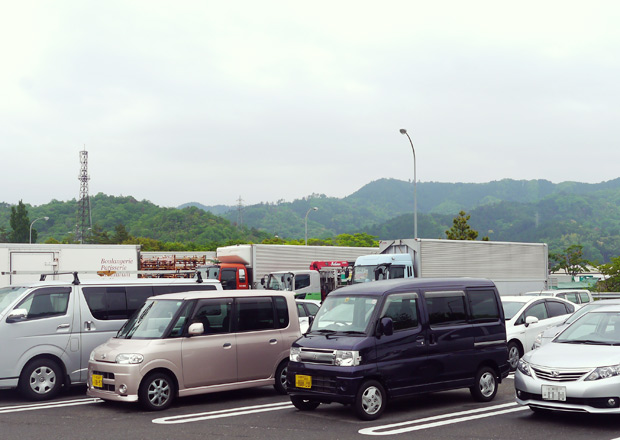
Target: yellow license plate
(97,380)
(302,381)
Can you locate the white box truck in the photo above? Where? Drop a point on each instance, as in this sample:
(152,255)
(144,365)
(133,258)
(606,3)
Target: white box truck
(21,263)
(514,267)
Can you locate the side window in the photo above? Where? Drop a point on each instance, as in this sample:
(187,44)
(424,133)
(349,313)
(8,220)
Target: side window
(214,314)
(446,308)
(106,302)
(556,308)
(585,298)
(229,279)
(136,297)
(242,275)
(301,311)
(255,314)
(160,290)
(538,310)
(281,311)
(46,302)
(302,281)
(397,272)
(403,310)
(179,325)
(572,297)
(312,309)
(483,305)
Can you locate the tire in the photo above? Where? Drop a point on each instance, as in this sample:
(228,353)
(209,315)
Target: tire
(303,404)
(280,383)
(370,401)
(41,379)
(514,354)
(157,392)
(486,385)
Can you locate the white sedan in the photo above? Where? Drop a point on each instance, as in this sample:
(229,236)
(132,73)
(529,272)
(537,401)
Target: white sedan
(526,317)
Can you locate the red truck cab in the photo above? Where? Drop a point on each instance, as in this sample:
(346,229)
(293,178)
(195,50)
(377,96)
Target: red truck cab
(231,275)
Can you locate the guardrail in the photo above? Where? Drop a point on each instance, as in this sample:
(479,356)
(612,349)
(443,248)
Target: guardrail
(605,295)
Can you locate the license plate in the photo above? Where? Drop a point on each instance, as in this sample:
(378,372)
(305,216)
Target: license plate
(552,392)
(97,380)
(302,381)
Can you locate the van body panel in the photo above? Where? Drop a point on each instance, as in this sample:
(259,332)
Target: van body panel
(456,327)
(208,360)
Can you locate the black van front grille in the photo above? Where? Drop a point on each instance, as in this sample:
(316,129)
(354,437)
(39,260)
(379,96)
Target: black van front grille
(318,356)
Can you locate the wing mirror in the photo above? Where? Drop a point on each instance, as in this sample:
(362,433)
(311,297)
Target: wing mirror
(530,320)
(195,329)
(17,315)
(386,326)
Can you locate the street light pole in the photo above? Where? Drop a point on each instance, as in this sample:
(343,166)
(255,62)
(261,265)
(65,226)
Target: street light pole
(40,218)
(306,221)
(415,183)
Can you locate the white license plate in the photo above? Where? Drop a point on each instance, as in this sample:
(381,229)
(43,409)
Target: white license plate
(552,392)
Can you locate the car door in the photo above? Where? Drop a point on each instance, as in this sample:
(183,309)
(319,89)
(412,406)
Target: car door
(538,310)
(210,358)
(402,357)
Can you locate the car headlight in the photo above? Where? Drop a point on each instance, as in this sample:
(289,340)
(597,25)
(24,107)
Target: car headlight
(347,358)
(129,358)
(524,367)
(92,356)
(295,354)
(604,372)
(537,341)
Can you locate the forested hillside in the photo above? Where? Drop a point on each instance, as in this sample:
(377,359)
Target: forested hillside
(531,211)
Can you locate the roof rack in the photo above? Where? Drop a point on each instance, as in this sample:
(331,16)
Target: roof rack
(102,273)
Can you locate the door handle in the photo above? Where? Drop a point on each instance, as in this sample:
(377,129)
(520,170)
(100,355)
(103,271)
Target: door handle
(227,345)
(273,341)
(88,325)
(419,340)
(61,326)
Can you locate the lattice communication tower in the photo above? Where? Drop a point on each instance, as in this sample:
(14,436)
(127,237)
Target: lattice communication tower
(84,219)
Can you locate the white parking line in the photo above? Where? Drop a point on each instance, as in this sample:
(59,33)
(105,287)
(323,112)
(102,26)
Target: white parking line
(37,406)
(187,418)
(399,428)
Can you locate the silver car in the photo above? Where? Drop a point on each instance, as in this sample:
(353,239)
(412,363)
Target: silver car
(579,370)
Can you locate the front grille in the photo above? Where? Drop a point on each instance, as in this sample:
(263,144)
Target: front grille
(106,386)
(105,375)
(558,375)
(318,356)
(321,384)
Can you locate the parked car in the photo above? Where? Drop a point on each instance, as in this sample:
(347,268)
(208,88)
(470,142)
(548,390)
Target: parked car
(526,317)
(545,336)
(49,328)
(372,342)
(306,309)
(191,343)
(579,370)
(575,296)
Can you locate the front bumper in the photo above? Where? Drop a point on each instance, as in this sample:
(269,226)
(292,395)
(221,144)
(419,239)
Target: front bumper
(597,397)
(120,382)
(329,383)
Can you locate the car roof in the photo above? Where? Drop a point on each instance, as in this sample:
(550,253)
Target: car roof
(528,299)
(383,287)
(205,294)
(117,282)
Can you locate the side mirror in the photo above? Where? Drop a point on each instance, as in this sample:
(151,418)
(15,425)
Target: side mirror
(386,326)
(196,329)
(262,281)
(17,315)
(530,320)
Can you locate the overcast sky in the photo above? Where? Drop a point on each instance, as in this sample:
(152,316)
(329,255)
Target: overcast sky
(209,101)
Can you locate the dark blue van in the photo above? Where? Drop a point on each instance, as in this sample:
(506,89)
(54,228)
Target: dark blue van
(373,342)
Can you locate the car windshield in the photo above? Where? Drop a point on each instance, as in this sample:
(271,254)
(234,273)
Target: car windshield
(151,321)
(363,274)
(511,308)
(344,314)
(596,328)
(583,310)
(8,295)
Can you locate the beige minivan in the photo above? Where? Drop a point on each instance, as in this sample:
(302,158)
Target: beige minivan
(191,343)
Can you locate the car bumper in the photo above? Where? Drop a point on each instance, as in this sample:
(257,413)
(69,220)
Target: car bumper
(120,382)
(600,397)
(329,383)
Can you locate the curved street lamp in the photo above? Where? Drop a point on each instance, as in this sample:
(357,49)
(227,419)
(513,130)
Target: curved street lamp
(306,221)
(415,181)
(40,218)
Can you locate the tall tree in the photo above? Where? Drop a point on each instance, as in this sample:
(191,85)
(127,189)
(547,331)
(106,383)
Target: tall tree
(570,260)
(612,271)
(20,225)
(460,229)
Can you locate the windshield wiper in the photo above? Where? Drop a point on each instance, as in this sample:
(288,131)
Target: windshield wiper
(324,331)
(586,341)
(353,332)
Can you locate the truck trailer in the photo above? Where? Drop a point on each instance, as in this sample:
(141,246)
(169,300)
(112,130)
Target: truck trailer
(514,267)
(21,262)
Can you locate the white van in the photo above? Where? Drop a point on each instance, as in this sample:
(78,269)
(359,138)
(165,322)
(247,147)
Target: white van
(49,328)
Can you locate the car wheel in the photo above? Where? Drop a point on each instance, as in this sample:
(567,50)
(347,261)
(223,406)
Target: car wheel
(157,391)
(514,354)
(370,400)
(304,404)
(280,383)
(486,385)
(41,379)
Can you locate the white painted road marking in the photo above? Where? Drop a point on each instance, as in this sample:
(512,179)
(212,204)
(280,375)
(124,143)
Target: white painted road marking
(37,406)
(399,428)
(187,418)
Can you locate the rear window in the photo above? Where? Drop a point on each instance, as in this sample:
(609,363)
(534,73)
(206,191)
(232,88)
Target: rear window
(483,305)
(255,314)
(445,308)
